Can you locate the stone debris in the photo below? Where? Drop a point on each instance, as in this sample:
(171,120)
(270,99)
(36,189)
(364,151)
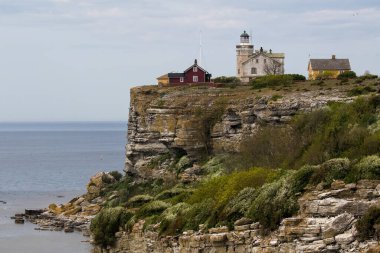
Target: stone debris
(73,216)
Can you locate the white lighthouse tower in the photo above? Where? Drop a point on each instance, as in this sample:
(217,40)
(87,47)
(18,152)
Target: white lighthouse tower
(243,52)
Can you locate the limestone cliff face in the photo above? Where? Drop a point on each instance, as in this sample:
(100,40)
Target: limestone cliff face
(163,120)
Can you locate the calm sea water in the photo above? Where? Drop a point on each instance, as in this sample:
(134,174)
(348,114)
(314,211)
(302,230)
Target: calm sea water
(41,161)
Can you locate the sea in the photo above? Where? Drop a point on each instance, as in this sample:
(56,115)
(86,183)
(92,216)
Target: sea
(44,163)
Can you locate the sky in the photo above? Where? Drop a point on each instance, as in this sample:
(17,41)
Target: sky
(75,60)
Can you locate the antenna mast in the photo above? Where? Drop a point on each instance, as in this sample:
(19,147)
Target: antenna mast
(200,47)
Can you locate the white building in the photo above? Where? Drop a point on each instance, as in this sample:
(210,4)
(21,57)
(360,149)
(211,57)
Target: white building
(251,63)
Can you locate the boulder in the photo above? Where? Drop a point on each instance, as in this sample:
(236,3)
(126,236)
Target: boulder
(97,182)
(338,225)
(345,238)
(243,221)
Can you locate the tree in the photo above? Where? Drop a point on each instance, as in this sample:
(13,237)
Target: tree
(272,67)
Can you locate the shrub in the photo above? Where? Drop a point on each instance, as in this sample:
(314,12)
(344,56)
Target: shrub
(116,174)
(360,90)
(368,168)
(227,80)
(152,208)
(203,212)
(331,170)
(278,200)
(239,205)
(347,75)
(297,77)
(183,163)
(276,97)
(171,219)
(368,225)
(222,189)
(139,200)
(170,193)
(271,81)
(107,222)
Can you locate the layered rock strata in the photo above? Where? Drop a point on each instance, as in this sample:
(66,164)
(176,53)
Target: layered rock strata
(170,120)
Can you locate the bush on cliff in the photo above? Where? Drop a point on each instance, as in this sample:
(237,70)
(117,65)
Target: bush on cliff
(271,81)
(347,75)
(368,226)
(278,200)
(107,223)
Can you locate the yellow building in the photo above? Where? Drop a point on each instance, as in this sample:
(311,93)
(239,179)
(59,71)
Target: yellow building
(163,80)
(327,68)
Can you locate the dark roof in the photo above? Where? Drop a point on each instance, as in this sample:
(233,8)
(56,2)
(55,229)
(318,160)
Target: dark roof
(330,64)
(176,75)
(244,34)
(196,65)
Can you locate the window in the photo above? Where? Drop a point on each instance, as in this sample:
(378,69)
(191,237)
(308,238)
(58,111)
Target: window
(195,69)
(253,71)
(257,60)
(195,79)
(181,79)
(239,71)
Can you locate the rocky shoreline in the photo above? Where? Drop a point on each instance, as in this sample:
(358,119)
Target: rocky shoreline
(76,215)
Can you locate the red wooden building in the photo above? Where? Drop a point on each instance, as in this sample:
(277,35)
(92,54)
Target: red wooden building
(193,74)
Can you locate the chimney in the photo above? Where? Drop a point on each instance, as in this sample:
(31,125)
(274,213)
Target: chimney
(333,57)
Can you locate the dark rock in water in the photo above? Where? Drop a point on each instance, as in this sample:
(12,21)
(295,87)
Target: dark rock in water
(33,212)
(3,202)
(60,196)
(19,221)
(68,229)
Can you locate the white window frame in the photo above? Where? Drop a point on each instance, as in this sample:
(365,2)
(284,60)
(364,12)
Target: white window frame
(195,69)
(195,79)
(181,79)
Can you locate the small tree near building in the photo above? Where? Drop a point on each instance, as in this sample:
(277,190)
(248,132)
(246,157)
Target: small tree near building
(272,67)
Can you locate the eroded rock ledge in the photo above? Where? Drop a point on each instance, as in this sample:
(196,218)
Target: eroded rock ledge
(168,120)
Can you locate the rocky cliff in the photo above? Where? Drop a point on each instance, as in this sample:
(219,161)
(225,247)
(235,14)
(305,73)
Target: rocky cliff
(325,223)
(175,120)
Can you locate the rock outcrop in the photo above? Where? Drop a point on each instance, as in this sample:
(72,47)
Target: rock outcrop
(78,212)
(172,120)
(325,223)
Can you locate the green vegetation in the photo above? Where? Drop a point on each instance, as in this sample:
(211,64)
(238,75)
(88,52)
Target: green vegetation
(341,130)
(368,226)
(116,174)
(297,77)
(326,75)
(107,223)
(271,81)
(263,182)
(229,81)
(360,90)
(347,75)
